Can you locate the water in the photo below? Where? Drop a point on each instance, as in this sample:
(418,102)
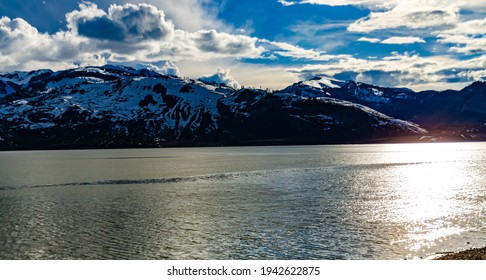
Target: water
(302,202)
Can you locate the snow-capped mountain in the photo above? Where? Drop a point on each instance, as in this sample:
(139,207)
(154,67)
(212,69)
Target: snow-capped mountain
(110,105)
(445,112)
(350,90)
(116,106)
(251,115)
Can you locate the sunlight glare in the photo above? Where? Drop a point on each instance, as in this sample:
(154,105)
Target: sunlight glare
(431,177)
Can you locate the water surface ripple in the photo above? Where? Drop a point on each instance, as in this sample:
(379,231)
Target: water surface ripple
(305,202)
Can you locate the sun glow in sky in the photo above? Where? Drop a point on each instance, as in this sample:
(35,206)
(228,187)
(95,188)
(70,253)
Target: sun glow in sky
(434,44)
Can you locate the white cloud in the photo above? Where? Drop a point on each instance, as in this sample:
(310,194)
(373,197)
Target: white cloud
(473,74)
(23,47)
(289,50)
(188,15)
(408,16)
(163,67)
(211,41)
(329,36)
(169,68)
(472,27)
(403,70)
(87,11)
(142,33)
(402,40)
(363,3)
(248,75)
(295,52)
(412,14)
(222,77)
(408,21)
(122,34)
(468,37)
(286,3)
(465,44)
(393,40)
(369,40)
(388,4)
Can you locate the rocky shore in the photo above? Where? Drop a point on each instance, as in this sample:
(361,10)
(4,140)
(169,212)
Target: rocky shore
(470,254)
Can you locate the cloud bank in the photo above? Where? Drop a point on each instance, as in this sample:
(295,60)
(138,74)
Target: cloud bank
(449,36)
(452,34)
(124,33)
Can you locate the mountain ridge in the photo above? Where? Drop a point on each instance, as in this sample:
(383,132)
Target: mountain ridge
(116,106)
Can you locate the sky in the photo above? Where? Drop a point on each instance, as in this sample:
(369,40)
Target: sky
(434,44)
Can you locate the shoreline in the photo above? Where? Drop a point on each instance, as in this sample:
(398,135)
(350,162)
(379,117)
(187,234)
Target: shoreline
(469,254)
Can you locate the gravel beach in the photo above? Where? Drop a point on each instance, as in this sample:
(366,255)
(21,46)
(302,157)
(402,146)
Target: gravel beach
(470,254)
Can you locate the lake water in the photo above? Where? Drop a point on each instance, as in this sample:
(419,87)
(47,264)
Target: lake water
(301,202)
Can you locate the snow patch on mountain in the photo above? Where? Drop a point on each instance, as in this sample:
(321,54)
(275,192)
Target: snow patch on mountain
(369,94)
(22,77)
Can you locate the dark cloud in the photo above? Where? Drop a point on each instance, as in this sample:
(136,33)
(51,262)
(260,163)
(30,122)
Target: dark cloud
(142,21)
(101,28)
(128,23)
(346,76)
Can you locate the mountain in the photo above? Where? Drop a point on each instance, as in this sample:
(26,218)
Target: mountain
(116,106)
(449,114)
(251,115)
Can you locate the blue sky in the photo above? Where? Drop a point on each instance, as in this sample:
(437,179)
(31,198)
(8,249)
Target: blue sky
(434,44)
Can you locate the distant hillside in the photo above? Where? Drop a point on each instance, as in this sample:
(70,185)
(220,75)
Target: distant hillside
(447,115)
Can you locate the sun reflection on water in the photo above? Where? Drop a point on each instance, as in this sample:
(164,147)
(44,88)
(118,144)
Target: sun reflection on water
(428,185)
